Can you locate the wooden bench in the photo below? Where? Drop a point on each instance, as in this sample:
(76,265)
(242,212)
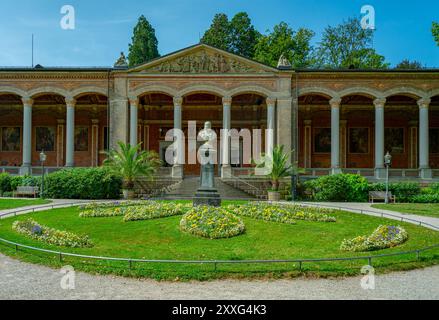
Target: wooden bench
(26,191)
(381,195)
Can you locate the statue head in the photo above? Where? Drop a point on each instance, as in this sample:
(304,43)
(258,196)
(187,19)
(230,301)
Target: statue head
(207,125)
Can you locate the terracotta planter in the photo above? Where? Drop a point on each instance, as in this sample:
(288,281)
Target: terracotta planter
(128,194)
(273,196)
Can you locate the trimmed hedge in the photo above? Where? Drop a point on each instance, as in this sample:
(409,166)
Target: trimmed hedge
(339,187)
(404,191)
(82,183)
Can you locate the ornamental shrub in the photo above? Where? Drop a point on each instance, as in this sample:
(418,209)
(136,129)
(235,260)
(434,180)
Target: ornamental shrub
(82,183)
(5,183)
(339,187)
(404,191)
(426,198)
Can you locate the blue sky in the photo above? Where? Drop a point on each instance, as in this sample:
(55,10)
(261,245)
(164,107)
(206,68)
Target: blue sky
(104,27)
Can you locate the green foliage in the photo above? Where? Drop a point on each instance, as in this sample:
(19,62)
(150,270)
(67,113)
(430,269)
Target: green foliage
(410,65)
(129,162)
(435,32)
(348,45)
(9,183)
(82,183)
(238,36)
(425,198)
(404,191)
(277,166)
(339,187)
(294,45)
(144,45)
(5,183)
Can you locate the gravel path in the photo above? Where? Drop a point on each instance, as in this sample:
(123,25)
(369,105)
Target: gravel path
(19,280)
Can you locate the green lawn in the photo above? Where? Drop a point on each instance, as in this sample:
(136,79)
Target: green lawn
(17,203)
(422,209)
(162,239)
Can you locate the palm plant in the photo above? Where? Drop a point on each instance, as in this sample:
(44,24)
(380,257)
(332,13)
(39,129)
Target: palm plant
(129,162)
(278,166)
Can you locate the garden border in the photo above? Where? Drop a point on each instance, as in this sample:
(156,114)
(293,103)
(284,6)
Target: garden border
(215,263)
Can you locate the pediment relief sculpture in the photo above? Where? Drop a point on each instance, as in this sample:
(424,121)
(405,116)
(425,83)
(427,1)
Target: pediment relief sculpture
(204,62)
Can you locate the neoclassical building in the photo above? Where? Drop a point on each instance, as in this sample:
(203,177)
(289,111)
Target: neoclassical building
(335,120)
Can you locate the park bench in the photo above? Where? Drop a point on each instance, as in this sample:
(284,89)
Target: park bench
(380,195)
(26,191)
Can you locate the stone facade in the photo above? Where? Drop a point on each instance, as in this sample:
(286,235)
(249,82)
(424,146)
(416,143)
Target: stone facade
(334,120)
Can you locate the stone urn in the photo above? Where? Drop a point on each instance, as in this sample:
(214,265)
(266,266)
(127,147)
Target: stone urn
(273,196)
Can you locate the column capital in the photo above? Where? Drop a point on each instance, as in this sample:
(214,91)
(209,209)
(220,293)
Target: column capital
(271,101)
(227,100)
(335,102)
(60,121)
(27,101)
(95,121)
(134,101)
(379,102)
(424,103)
(70,102)
(178,101)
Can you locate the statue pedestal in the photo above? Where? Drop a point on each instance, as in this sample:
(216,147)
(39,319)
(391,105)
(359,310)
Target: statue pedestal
(207,194)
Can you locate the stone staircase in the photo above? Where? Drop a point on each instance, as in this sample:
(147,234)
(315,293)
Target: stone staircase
(186,190)
(157,187)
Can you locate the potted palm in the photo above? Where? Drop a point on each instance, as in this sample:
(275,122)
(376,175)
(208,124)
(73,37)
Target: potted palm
(129,162)
(278,168)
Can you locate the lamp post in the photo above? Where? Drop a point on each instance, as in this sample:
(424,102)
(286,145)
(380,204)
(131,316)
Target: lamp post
(42,159)
(387,163)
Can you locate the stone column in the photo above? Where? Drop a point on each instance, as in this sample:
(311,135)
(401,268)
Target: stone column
(95,142)
(27,136)
(380,172)
(269,138)
(133,121)
(177,169)
(424,156)
(70,132)
(118,131)
(226,169)
(285,123)
(335,135)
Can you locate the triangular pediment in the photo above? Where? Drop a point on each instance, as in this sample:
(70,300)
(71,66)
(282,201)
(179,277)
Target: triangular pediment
(203,59)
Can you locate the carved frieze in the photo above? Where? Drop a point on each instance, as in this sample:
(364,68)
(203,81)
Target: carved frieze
(204,61)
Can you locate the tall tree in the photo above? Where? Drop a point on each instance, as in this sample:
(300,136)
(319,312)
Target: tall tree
(295,46)
(348,45)
(407,64)
(144,43)
(243,35)
(435,31)
(218,35)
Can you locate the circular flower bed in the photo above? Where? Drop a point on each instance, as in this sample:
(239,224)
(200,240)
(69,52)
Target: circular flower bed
(382,238)
(212,223)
